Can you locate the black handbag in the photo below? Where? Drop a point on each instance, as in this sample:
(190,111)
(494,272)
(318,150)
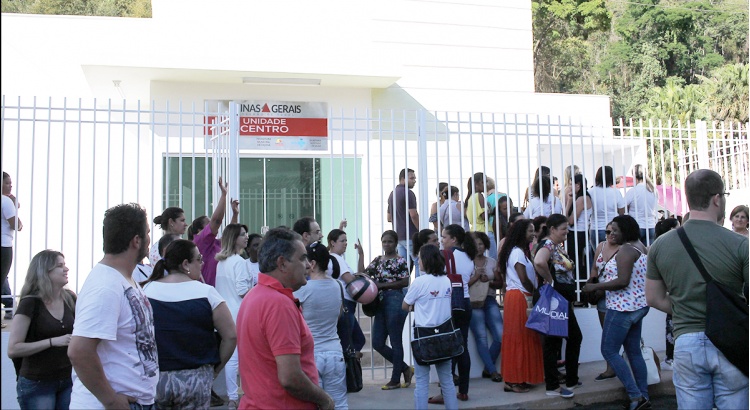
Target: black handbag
(436,344)
(353,372)
(371,309)
(726,314)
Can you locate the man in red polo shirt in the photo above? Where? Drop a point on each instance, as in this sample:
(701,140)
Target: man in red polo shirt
(277,362)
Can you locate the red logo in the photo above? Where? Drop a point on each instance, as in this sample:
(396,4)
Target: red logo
(434,293)
(265,108)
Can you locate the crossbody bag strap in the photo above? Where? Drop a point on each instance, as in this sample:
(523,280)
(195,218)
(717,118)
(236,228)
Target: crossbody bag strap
(341,288)
(693,254)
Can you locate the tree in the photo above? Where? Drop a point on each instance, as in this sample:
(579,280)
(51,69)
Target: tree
(726,91)
(112,8)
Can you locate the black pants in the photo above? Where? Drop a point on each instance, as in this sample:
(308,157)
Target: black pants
(578,253)
(553,345)
(6,259)
(463,362)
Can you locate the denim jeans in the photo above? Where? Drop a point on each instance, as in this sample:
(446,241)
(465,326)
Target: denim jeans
(389,323)
(402,249)
(332,372)
(651,235)
(422,390)
(488,317)
(44,394)
(624,329)
(463,362)
(493,245)
(348,328)
(704,378)
(136,406)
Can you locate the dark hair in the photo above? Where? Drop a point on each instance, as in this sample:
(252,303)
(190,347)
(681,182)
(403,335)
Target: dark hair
(420,238)
(553,221)
(516,238)
(583,191)
(441,187)
(390,233)
(545,171)
(197,226)
(479,176)
(278,242)
(172,212)
(700,187)
(5,175)
(432,260)
(254,236)
(165,241)
(121,224)
(446,195)
(319,253)
(605,176)
(176,252)
(402,174)
(482,237)
(467,243)
(514,215)
(629,227)
(664,226)
(501,221)
(302,225)
(541,187)
(334,236)
(538,222)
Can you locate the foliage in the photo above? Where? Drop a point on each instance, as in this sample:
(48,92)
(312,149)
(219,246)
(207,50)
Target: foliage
(112,8)
(726,93)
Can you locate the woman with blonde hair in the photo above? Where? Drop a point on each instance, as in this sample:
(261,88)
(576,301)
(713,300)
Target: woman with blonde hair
(570,172)
(233,281)
(641,201)
(40,334)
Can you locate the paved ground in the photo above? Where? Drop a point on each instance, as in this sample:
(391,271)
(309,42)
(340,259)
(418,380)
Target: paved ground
(484,394)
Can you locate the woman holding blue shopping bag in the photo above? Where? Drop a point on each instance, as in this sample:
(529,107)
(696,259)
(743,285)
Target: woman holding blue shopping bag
(556,267)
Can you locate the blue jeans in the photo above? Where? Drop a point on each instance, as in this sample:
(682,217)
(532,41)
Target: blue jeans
(651,235)
(332,374)
(595,237)
(389,323)
(44,394)
(488,317)
(493,245)
(401,249)
(624,329)
(422,390)
(704,378)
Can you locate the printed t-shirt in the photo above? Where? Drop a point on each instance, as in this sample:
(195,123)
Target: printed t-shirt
(431,297)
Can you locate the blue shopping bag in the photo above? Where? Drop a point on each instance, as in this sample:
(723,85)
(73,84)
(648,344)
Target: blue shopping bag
(550,314)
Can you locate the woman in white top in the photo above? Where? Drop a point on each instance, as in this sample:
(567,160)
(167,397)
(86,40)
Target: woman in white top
(233,281)
(579,212)
(487,314)
(429,296)
(464,250)
(521,360)
(186,314)
(171,221)
(641,201)
(608,203)
(542,188)
(452,210)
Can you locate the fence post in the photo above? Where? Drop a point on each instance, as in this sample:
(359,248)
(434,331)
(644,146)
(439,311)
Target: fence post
(702,139)
(234,153)
(423,194)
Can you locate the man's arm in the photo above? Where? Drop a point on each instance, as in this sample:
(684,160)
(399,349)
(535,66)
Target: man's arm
(88,367)
(297,384)
(414,217)
(656,295)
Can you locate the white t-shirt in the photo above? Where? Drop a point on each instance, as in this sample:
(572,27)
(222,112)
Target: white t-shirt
(582,222)
(232,280)
(9,211)
(344,268)
(111,309)
(606,202)
(142,272)
(464,267)
(512,280)
(642,206)
(536,207)
(431,297)
(254,269)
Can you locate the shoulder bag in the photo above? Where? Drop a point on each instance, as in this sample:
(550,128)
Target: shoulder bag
(478,291)
(726,314)
(353,364)
(458,307)
(436,344)
(652,363)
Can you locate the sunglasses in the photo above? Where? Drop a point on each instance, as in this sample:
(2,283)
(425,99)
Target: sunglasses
(608,232)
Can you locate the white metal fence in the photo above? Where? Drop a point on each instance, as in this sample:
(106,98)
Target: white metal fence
(70,160)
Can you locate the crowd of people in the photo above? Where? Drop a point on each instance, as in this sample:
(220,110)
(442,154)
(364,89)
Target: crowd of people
(277,310)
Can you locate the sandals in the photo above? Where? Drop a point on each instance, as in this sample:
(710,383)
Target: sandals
(496,377)
(391,386)
(515,388)
(436,399)
(408,374)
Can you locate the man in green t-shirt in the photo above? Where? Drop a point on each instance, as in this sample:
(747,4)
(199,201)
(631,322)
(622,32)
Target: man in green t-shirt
(703,377)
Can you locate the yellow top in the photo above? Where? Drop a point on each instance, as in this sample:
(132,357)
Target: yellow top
(473,212)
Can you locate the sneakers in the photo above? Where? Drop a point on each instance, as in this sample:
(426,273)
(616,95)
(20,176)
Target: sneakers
(577,385)
(642,404)
(602,377)
(562,392)
(232,405)
(667,364)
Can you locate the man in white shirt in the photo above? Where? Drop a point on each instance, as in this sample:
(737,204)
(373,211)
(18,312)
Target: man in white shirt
(10,223)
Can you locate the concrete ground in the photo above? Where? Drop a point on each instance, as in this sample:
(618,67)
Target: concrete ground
(485,394)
